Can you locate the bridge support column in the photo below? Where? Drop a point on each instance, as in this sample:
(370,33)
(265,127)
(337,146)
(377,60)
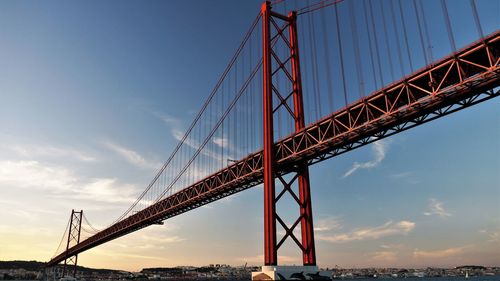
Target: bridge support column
(270,249)
(75,227)
(306,223)
(289,66)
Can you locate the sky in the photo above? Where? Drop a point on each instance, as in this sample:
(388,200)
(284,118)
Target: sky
(85,88)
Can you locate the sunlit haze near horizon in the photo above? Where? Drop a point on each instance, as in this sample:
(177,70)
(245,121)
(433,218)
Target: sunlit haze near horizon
(94,92)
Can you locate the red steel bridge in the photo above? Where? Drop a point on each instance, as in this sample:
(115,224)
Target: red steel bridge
(306,84)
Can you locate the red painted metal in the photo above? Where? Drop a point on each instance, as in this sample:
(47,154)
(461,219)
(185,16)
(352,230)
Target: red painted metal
(270,249)
(280,65)
(75,227)
(465,78)
(309,251)
(78,240)
(68,241)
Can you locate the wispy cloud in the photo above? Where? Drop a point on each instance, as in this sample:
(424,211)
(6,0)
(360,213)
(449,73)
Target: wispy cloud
(388,253)
(436,208)
(401,175)
(439,254)
(493,236)
(130,155)
(24,211)
(33,173)
(391,246)
(107,188)
(178,133)
(153,238)
(379,150)
(370,233)
(408,176)
(384,256)
(163,240)
(33,151)
(327,224)
(221,142)
(60,181)
(128,256)
(167,119)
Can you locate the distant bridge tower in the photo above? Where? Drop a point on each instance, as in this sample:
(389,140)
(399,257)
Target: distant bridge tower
(75,227)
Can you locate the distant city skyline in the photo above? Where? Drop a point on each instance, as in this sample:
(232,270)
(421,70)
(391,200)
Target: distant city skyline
(94,95)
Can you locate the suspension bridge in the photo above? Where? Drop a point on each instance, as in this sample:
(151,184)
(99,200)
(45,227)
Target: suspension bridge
(308,82)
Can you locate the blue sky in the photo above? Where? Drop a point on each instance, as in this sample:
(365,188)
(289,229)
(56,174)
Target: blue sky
(85,90)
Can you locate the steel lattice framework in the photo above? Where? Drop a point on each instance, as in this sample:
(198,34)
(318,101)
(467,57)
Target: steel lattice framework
(467,77)
(288,66)
(75,227)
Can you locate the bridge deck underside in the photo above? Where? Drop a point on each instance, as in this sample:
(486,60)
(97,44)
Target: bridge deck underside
(465,78)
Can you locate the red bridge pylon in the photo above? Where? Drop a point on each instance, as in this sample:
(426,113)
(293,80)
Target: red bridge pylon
(277,27)
(75,227)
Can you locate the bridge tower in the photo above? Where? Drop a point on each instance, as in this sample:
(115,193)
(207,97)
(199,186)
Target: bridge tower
(276,27)
(75,227)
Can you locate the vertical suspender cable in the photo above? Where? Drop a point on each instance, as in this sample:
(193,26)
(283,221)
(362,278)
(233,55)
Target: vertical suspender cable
(314,66)
(368,31)
(422,44)
(341,55)
(62,238)
(387,46)
(476,18)
(395,27)
(235,121)
(405,35)
(200,137)
(244,119)
(229,122)
(315,63)
(448,26)
(355,42)
(223,137)
(426,32)
(209,160)
(212,94)
(329,77)
(225,114)
(381,74)
(252,120)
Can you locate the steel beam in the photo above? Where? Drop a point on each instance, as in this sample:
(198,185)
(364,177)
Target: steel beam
(270,249)
(307,228)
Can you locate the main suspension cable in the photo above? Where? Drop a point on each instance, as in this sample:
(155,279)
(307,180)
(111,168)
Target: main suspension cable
(317,6)
(198,116)
(221,120)
(62,238)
